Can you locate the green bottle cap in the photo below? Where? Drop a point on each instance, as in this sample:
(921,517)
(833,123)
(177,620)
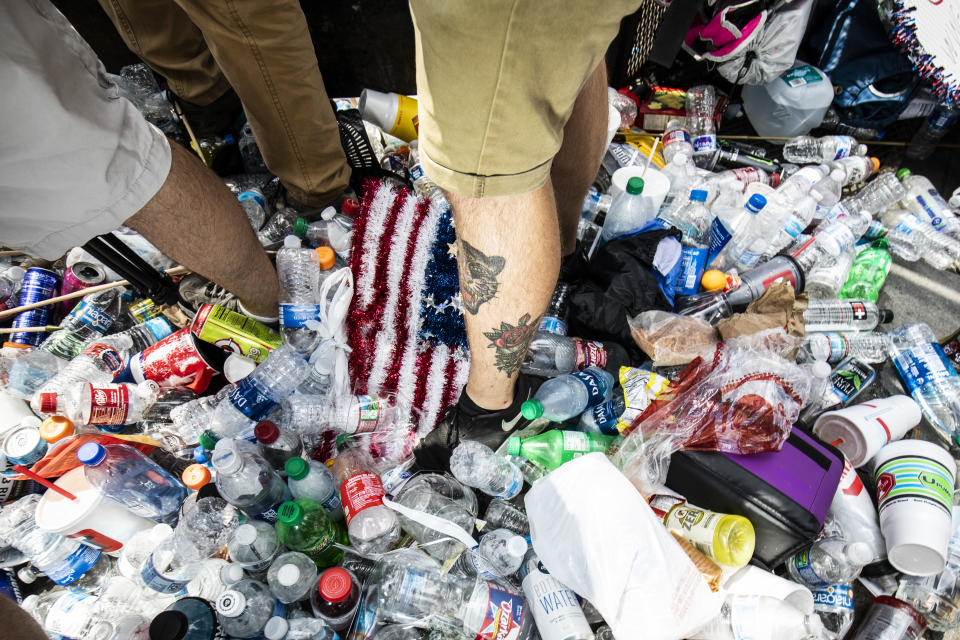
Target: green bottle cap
(208,440)
(513,446)
(290,513)
(880,243)
(300,228)
(296,468)
(903,173)
(635,186)
(531,409)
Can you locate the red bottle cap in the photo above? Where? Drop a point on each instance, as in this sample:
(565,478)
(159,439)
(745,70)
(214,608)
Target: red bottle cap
(266,432)
(335,585)
(350,206)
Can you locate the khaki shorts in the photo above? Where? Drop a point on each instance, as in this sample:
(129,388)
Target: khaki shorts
(497,81)
(76,159)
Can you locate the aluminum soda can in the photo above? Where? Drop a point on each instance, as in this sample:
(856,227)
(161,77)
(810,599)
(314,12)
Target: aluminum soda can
(24,445)
(234,332)
(754,282)
(143,310)
(38,285)
(80,276)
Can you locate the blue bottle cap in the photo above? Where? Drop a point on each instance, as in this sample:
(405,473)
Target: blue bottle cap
(756,202)
(698,195)
(91,454)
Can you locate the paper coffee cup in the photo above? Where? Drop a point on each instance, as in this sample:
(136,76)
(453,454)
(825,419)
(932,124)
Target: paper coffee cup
(655,184)
(861,431)
(92,518)
(753,581)
(915,482)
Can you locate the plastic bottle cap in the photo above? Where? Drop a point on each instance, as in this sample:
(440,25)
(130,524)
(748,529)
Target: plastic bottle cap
(266,432)
(290,513)
(351,207)
(276,628)
(231,603)
(56,428)
(513,446)
(208,440)
(517,546)
(236,367)
(226,457)
(288,575)
(820,369)
(291,242)
(876,164)
(327,257)
(859,553)
(231,574)
(300,227)
(531,409)
(335,585)
(17,345)
(195,476)
(886,315)
(635,186)
(296,468)
(698,195)
(756,202)
(91,454)
(880,243)
(903,173)
(168,625)
(245,534)
(328,213)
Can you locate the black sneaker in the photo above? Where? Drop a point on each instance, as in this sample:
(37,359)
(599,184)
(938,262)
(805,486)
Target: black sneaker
(467,421)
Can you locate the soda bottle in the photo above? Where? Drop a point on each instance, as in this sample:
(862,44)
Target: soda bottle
(125,475)
(371,526)
(553,448)
(558,616)
(247,481)
(186,619)
(833,347)
(760,617)
(811,150)
(310,479)
(253,546)
(603,418)
(275,445)
(564,397)
(729,539)
(926,203)
(551,354)
(336,598)
(291,576)
(476,465)
(304,526)
(700,105)
(938,124)
(108,405)
(868,273)
(928,376)
(629,212)
(243,611)
(844,315)
(676,139)
(499,554)
(829,560)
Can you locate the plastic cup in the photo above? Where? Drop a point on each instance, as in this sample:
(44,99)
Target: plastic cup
(12,412)
(752,580)
(862,430)
(92,518)
(915,482)
(655,184)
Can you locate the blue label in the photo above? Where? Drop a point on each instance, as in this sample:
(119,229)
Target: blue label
(794,227)
(74,565)
(719,237)
(658,223)
(595,384)
(903,227)
(935,220)
(253,195)
(91,316)
(504,616)
(849,378)
(838,596)
(705,143)
(801,563)
(161,584)
(605,416)
(693,261)
(923,364)
(297,315)
(250,400)
(554,325)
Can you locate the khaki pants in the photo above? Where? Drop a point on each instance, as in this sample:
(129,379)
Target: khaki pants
(261,48)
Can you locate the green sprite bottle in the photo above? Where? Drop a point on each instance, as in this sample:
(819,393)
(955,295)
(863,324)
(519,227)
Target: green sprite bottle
(868,273)
(304,526)
(552,448)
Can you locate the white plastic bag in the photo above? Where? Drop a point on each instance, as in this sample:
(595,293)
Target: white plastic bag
(596,534)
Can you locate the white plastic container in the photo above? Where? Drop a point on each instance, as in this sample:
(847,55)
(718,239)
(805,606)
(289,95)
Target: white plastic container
(790,105)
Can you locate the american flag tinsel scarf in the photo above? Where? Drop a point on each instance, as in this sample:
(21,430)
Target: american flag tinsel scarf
(405,324)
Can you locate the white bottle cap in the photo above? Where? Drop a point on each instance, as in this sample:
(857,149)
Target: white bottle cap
(288,575)
(231,574)
(329,213)
(859,553)
(517,546)
(226,457)
(291,242)
(276,628)
(231,603)
(245,534)
(236,367)
(820,369)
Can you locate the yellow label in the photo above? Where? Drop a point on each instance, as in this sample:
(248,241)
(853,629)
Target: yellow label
(407,124)
(696,526)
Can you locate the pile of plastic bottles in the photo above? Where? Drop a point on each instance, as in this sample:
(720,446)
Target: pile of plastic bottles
(219,478)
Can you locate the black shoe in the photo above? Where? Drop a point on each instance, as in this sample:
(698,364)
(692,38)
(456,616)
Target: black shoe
(220,116)
(574,266)
(467,421)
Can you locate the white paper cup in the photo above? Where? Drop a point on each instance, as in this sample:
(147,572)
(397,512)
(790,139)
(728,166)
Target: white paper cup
(864,428)
(915,481)
(12,412)
(92,518)
(655,184)
(753,581)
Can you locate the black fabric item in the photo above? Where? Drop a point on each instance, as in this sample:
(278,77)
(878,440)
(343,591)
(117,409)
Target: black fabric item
(619,282)
(219,117)
(673,27)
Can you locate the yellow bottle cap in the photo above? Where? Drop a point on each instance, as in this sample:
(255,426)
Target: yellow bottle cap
(327,257)
(56,428)
(195,476)
(714,280)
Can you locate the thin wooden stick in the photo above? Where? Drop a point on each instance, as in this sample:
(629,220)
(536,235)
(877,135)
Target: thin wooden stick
(176,271)
(193,138)
(49,327)
(13,253)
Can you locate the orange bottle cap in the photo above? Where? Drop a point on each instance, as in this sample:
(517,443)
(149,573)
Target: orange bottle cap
(195,476)
(327,257)
(56,428)
(17,345)
(876,164)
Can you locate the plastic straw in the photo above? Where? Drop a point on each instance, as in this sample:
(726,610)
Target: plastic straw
(38,478)
(653,150)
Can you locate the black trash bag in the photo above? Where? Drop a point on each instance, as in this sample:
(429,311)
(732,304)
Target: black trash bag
(620,281)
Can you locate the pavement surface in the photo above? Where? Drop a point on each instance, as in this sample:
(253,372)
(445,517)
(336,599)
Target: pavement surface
(916,292)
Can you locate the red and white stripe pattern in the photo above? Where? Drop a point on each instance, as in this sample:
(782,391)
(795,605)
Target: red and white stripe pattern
(393,240)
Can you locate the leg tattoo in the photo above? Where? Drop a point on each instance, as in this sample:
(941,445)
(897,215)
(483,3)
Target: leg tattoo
(478,271)
(511,343)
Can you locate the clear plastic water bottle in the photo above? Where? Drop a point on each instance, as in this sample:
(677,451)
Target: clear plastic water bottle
(926,203)
(250,152)
(829,560)
(693,219)
(629,212)
(62,613)
(833,347)
(304,526)
(499,554)
(824,280)
(10,280)
(476,465)
(566,396)
(130,478)
(320,379)
(937,597)
(904,234)
(868,273)
(336,598)
(552,355)
(746,249)
(278,628)
(138,548)
(313,480)
(63,560)
(501,514)
(812,150)
(676,139)
(299,272)
(700,105)
(371,525)
(681,173)
(253,546)
(275,445)
(92,317)
(243,611)
(247,481)
(603,418)
(880,193)
(938,124)
(280,225)
(215,576)
(856,169)
(595,204)
(186,619)
(562,618)
(307,414)
(334,230)
(752,616)
(731,221)
(928,376)
(844,315)
(554,319)
(254,204)
(291,576)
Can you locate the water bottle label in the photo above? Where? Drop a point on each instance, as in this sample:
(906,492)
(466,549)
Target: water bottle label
(927,207)
(801,562)
(92,317)
(250,401)
(553,325)
(159,583)
(748,259)
(903,227)
(835,238)
(793,227)
(705,144)
(555,608)
(876,230)
(392,480)
(675,136)
(416,172)
(108,356)
(843,150)
(850,378)
(693,262)
(595,384)
(74,565)
(923,364)
(294,316)
(504,616)
(834,596)
(360,491)
(256,196)
(719,237)
(799,76)
(270,513)
(606,418)
(696,526)
(590,354)
(369,410)
(109,405)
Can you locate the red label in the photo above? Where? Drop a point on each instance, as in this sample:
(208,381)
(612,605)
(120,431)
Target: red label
(786,274)
(590,354)
(359,492)
(107,355)
(48,403)
(850,483)
(109,405)
(504,616)
(96,539)
(197,326)
(885,482)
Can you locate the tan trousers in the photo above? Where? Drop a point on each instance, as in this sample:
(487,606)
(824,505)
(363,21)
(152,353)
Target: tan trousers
(262,48)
